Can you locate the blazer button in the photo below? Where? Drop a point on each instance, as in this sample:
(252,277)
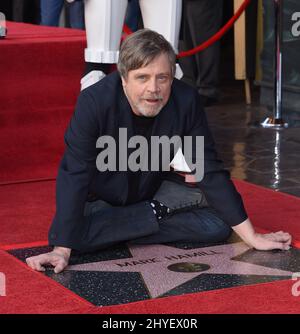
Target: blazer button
(53,235)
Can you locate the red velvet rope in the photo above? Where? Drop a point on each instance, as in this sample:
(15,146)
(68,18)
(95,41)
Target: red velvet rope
(126,30)
(211,40)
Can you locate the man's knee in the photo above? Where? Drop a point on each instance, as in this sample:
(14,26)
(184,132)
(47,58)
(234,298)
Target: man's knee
(211,228)
(222,233)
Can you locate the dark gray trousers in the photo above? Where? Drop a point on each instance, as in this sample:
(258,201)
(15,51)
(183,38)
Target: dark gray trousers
(201,20)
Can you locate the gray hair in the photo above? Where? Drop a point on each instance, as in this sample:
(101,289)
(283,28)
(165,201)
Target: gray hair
(140,48)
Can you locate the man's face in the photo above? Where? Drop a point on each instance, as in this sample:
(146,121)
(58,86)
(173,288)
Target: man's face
(148,88)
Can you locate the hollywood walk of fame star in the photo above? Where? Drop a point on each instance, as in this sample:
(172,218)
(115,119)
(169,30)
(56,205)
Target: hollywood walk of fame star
(153,261)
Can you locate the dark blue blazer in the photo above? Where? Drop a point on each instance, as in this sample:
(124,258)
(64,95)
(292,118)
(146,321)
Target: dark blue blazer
(101,110)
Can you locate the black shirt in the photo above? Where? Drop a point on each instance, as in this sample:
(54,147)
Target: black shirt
(142,127)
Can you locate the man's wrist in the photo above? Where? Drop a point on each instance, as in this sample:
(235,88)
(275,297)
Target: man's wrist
(246,231)
(63,251)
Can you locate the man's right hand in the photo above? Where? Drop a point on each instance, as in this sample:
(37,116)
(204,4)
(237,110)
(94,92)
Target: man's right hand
(58,258)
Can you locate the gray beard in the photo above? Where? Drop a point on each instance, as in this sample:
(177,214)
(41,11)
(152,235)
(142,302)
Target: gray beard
(147,112)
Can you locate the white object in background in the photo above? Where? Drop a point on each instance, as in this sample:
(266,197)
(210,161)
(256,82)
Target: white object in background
(178,72)
(104,23)
(3,30)
(163,17)
(2,285)
(91,78)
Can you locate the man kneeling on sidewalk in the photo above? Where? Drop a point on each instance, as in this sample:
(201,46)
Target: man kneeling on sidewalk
(100,201)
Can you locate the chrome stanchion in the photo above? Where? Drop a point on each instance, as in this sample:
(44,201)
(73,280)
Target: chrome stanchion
(276,121)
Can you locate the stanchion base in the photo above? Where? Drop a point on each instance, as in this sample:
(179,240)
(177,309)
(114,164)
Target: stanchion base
(3,32)
(274,123)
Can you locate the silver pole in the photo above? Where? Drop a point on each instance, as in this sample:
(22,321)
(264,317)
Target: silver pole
(278,59)
(276,121)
